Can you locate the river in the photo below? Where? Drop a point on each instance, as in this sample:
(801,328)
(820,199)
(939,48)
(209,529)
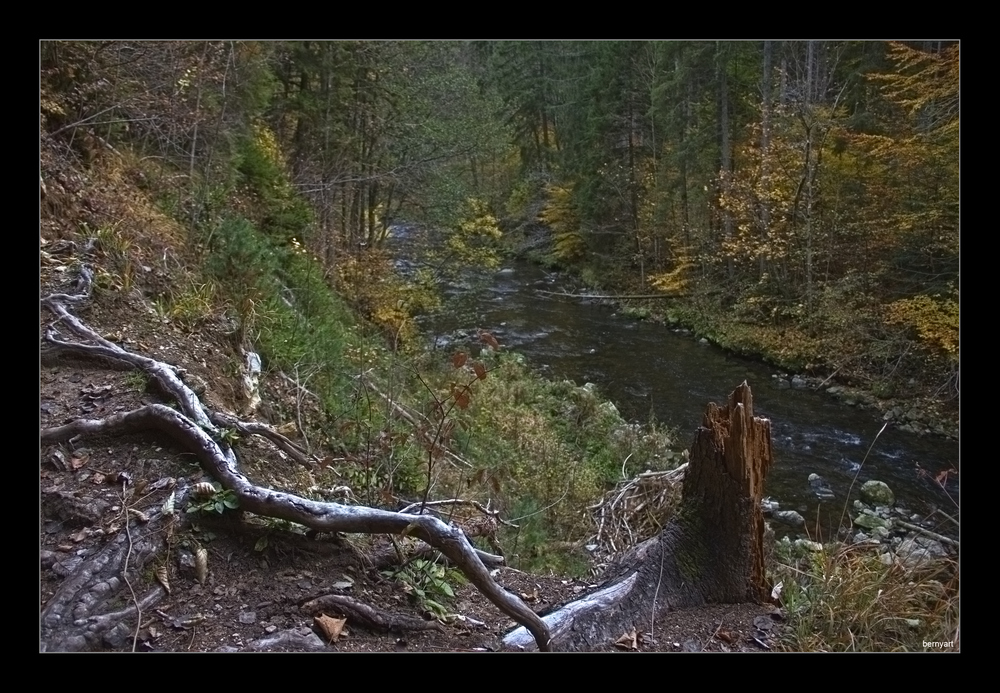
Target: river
(647,369)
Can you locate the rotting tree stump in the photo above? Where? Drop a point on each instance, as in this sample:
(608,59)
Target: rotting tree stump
(711,551)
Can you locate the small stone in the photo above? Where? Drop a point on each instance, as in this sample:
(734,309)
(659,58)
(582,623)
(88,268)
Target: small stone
(790,518)
(808,545)
(248,617)
(869,521)
(877,493)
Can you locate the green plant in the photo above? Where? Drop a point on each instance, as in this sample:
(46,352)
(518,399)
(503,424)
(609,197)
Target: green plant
(116,246)
(218,503)
(192,305)
(136,380)
(428,584)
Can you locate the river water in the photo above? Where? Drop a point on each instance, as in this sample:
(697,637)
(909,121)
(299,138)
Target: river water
(647,369)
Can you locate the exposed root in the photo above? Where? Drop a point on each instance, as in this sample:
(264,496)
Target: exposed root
(366,616)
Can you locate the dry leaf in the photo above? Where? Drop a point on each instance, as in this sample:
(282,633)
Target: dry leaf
(288,429)
(726,636)
(480,370)
(462,399)
(59,459)
(331,627)
(201,564)
(139,515)
(487,338)
(78,462)
(203,489)
(163,577)
(628,641)
(459,359)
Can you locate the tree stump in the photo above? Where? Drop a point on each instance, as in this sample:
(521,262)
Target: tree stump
(711,551)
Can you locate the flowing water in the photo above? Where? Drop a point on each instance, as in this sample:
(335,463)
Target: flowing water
(647,369)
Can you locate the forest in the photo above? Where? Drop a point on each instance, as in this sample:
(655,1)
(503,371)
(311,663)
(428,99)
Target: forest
(800,199)
(796,202)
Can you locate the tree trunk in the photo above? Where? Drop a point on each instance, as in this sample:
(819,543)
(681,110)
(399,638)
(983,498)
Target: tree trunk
(711,551)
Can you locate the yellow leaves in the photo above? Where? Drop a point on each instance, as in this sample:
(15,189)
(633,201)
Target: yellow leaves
(936,321)
(475,238)
(676,280)
(267,142)
(370,283)
(569,244)
(925,84)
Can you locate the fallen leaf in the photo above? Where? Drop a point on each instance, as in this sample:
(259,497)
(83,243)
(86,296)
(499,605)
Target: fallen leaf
(201,564)
(203,489)
(164,579)
(726,636)
(628,641)
(331,627)
(78,462)
(168,505)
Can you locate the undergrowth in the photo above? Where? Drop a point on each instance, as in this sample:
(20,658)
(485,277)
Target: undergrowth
(846,598)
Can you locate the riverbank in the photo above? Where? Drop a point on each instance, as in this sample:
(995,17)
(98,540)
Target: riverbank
(801,358)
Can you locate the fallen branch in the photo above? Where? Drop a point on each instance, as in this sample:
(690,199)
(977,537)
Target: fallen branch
(607,297)
(926,532)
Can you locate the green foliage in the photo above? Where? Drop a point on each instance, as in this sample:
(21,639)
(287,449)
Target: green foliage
(279,211)
(428,584)
(218,503)
(136,380)
(189,305)
(245,263)
(553,447)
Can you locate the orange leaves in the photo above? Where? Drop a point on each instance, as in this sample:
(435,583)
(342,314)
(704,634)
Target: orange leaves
(459,359)
(480,370)
(461,396)
(489,340)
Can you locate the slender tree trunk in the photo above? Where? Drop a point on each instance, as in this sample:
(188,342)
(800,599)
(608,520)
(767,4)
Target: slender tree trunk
(725,151)
(766,110)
